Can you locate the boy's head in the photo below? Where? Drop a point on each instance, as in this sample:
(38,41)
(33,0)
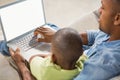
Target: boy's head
(110,16)
(66,46)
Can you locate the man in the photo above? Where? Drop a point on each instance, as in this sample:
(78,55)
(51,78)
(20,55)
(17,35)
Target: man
(104,51)
(104,60)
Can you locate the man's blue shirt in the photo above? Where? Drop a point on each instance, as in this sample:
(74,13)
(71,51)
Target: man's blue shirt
(104,58)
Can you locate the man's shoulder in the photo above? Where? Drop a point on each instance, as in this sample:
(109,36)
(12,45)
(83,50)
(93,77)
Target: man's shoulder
(101,35)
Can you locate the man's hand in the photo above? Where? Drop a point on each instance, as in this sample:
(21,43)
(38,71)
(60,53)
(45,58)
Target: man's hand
(16,55)
(20,61)
(46,32)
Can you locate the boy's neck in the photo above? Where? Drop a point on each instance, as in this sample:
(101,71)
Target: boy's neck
(68,66)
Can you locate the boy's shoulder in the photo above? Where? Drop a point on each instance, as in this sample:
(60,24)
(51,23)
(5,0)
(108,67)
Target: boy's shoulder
(81,60)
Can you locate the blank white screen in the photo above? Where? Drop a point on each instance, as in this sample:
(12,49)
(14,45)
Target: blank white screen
(22,17)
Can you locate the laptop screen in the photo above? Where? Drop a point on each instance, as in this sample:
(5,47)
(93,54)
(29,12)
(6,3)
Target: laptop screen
(21,17)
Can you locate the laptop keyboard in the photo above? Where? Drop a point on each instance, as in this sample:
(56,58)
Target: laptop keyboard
(27,42)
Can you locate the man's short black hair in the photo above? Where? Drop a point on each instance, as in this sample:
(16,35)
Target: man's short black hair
(118,4)
(117,1)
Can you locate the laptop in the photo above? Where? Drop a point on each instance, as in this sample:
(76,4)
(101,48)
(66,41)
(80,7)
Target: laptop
(18,22)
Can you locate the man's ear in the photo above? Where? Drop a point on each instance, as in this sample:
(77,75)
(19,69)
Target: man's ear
(117,19)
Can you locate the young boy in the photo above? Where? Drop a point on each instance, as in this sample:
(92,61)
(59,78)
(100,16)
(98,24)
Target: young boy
(64,63)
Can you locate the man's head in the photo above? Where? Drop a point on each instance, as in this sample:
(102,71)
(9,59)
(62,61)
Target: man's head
(110,16)
(66,46)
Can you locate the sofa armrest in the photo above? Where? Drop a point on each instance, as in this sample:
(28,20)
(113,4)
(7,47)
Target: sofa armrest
(7,72)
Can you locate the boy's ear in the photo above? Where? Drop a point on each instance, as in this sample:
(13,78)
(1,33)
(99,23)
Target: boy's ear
(53,58)
(117,19)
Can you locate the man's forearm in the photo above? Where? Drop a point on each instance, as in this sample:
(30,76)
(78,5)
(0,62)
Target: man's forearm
(20,62)
(84,38)
(25,72)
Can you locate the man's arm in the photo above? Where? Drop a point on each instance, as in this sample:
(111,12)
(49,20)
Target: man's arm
(48,34)
(25,72)
(40,55)
(20,62)
(89,37)
(84,38)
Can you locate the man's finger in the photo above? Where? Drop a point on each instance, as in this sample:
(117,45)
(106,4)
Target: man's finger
(37,32)
(17,50)
(11,51)
(42,30)
(41,40)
